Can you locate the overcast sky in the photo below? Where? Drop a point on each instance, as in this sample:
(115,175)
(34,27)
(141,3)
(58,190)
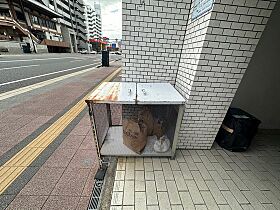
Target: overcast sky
(111,11)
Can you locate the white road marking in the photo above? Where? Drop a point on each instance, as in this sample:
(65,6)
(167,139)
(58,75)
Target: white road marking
(79,59)
(43,75)
(37,59)
(28,88)
(18,67)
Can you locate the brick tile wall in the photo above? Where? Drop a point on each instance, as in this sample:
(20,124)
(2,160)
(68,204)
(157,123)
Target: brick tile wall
(205,58)
(217,50)
(153,36)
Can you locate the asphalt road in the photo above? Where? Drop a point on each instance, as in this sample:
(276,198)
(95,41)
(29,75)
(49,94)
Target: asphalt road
(18,71)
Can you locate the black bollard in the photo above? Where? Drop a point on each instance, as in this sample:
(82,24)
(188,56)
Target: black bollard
(105,58)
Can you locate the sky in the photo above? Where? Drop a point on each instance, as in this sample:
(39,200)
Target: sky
(111,14)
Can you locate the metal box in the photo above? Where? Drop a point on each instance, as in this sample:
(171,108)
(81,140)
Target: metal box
(162,98)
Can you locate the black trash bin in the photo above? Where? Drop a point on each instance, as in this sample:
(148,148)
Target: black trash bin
(105,58)
(238,130)
(26,48)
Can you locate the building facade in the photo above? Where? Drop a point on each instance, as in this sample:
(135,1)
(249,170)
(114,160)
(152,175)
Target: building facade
(204,56)
(95,28)
(97,22)
(49,25)
(73,22)
(29,25)
(90,16)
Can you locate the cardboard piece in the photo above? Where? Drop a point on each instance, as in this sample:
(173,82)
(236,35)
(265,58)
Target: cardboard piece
(146,117)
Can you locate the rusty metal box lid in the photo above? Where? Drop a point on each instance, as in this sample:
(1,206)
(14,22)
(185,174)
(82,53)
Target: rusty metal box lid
(136,93)
(114,92)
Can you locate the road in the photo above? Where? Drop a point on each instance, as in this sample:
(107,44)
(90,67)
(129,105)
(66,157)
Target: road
(22,70)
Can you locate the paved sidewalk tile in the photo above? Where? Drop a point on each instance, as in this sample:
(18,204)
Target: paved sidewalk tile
(216,193)
(153,207)
(199,180)
(166,168)
(43,181)
(149,175)
(140,201)
(139,164)
(61,202)
(180,182)
(160,181)
(185,171)
(163,200)
(209,200)
(173,192)
(151,193)
(128,208)
(236,192)
(176,207)
(27,202)
(186,200)
(129,171)
(231,200)
(128,197)
(194,192)
(203,179)
(218,180)
(66,171)
(157,164)
(118,186)
(252,200)
(117,198)
(140,186)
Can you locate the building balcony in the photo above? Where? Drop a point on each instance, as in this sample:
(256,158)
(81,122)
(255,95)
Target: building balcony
(54,43)
(41,8)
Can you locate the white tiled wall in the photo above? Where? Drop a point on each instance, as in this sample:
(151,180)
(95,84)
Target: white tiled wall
(214,59)
(216,49)
(153,36)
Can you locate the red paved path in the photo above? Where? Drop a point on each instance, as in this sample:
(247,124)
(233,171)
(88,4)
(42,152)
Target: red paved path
(65,180)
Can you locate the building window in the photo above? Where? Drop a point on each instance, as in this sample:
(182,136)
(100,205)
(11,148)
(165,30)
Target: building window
(43,22)
(35,20)
(20,16)
(52,25)
(4,13)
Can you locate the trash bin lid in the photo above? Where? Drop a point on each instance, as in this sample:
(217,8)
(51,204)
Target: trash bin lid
(158,93)
(114,93)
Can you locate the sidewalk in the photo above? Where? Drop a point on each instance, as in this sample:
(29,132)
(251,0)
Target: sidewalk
(202,179)
(65,180)
(20,121)
(62,176)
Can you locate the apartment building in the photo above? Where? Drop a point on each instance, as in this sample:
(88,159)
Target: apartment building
(90,25)
(98,26)
(47,25)
(95,38)
(93,26)
(72,22)
(29,26)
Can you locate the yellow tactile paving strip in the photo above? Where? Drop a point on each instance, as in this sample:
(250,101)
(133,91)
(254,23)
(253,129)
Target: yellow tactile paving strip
(20,161)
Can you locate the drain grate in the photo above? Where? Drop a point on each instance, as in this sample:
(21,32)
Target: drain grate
(94,200)
(98,184)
